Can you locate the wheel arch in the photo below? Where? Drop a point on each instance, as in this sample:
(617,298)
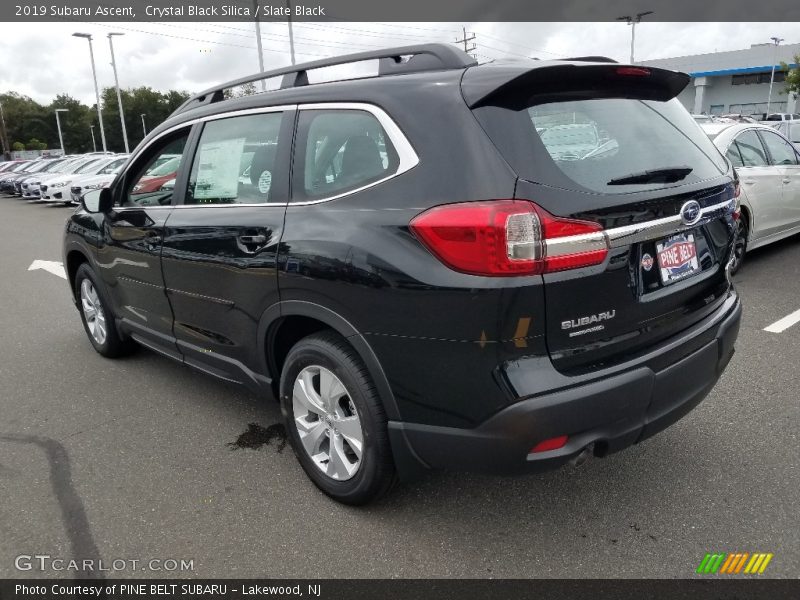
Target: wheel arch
(286,322)
(75,257)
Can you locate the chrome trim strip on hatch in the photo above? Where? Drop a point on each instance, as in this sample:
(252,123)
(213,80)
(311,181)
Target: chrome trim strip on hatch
(626,235)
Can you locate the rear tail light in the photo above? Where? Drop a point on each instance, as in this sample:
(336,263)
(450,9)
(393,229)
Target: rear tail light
(550,444)
(508,237)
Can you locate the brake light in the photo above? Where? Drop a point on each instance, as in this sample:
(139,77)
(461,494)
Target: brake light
(507,238)
(633,71)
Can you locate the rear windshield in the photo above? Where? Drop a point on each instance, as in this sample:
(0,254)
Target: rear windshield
(608,145)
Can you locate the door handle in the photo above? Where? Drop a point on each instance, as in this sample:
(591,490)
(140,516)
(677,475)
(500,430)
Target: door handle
(259,239)
(251,244)
(748,181)
(152,241)
(787,180)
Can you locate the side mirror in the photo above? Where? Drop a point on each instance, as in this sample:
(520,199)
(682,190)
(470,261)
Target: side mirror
(97,201)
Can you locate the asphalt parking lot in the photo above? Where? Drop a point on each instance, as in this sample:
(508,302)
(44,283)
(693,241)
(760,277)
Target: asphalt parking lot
(130,460)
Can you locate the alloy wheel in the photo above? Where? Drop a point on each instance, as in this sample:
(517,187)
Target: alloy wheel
(93,312)
(327,422)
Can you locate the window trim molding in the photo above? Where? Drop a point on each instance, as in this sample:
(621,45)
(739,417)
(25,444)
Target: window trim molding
(405,151)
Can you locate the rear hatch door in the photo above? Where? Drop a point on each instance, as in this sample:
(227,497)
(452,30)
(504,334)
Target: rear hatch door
(610,144)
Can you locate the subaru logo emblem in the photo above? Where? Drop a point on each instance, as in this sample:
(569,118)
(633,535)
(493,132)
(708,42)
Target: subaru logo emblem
(690,212)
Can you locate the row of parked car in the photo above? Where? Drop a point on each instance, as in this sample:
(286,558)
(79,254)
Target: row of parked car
(64,180)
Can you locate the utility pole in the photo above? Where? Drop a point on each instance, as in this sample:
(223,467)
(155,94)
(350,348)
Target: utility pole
(465,40)
(119,95)
(96,89)
(257,10)
(776,41)
(58,124)
(144,127)
(291,33)
(632,21)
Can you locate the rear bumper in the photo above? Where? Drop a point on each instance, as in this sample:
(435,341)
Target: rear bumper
(612,412)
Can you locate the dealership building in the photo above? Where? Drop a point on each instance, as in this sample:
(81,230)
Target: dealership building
(735,81)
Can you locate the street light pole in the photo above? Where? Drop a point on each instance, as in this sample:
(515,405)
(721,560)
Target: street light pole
(776,41)
(94,144)
(291,33)
(58,124)
(119,95)
(632,21)
(144,127)
(258,44)
(96,90)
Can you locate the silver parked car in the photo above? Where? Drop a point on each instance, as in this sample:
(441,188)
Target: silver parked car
(769,173)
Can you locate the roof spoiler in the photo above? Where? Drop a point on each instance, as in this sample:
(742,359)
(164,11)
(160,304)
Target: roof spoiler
(518,87)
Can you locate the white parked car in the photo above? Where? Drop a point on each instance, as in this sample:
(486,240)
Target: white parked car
(95,182)
(768,166)
(55,188)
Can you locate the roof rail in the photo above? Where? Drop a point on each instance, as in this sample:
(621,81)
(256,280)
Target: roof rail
(392,61)
(602,59)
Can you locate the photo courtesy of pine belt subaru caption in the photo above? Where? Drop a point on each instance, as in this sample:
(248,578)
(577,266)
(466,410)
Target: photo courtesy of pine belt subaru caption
(501,268)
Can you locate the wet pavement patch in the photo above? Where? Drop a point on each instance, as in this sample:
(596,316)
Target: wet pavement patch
(257,436)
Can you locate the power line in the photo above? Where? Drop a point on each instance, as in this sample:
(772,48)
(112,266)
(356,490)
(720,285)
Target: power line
(465,40)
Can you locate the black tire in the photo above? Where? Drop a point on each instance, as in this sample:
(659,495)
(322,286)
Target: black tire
(376,472)
(740,243)
(113,345)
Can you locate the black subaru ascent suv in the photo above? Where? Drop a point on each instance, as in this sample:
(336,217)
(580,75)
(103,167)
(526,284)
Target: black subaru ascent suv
(499,267)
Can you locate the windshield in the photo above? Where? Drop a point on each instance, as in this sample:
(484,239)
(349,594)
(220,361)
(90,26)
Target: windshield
(53,166)
(73,168)
(92,167)
(38,166)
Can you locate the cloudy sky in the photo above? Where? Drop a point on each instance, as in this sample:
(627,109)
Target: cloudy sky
(43,59)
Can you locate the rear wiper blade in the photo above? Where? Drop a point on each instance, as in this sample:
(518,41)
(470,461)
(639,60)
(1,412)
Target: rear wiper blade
(665,175)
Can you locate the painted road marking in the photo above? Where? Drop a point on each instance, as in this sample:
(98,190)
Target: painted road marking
(51,266)
(783,324)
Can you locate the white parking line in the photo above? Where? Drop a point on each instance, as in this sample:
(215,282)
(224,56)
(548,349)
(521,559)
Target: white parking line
(51,266)
(783,324)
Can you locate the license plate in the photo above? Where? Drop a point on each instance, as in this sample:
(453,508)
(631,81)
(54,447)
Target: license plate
(677,258)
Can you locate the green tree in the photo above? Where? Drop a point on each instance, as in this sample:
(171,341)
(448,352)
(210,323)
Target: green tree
(18,146)
(26,119)
(34,144)
(792,85)
(156,106)
(74,124)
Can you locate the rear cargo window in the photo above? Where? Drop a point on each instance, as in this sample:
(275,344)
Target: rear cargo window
(608,145)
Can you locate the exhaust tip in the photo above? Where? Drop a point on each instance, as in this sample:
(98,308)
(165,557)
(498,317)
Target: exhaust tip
(582,456)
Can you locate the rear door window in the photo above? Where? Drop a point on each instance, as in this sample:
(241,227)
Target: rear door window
(751,149)
(340,151)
